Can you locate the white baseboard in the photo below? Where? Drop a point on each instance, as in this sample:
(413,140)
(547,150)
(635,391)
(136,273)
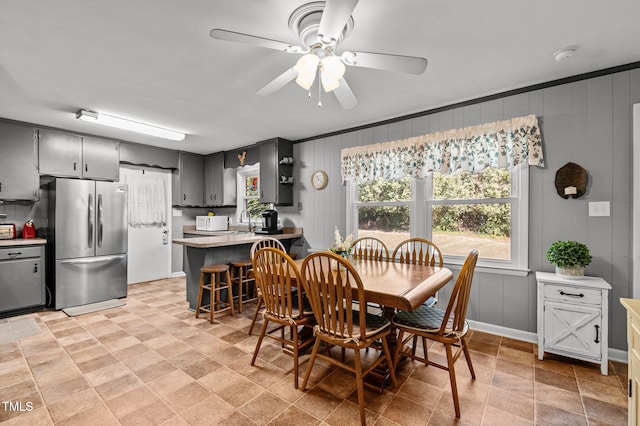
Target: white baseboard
(614,354)
(178,274)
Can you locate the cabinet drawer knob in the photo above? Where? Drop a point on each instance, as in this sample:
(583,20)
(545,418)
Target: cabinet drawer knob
(35,268)
(562,293)
(14,253)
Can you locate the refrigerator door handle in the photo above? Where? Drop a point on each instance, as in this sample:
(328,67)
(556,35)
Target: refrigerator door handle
(100,221)
(92,260)
(90,220)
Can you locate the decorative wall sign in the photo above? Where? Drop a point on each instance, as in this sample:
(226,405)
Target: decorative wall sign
(571,181)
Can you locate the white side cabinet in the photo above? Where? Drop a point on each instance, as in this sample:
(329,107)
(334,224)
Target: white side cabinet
(573,317)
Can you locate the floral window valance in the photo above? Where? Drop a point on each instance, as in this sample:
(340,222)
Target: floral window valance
(502,144)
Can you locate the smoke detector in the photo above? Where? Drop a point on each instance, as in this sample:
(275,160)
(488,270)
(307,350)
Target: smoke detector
(565,53)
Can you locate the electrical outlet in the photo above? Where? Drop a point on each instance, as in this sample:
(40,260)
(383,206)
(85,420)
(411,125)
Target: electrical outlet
(599,208)
(299,205)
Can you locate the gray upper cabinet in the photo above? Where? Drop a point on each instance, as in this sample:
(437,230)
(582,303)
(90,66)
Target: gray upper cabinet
(219,182)
(188,180)
(69,155)
(276,173)
(18,163)
(59,154)
(100,159)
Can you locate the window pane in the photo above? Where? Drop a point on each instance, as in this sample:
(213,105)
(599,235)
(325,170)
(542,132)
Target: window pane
(456,229)
(490,183)
(252,186)
(389,224)
(385,190)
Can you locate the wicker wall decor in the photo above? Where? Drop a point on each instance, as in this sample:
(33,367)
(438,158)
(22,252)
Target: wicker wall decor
(571,181)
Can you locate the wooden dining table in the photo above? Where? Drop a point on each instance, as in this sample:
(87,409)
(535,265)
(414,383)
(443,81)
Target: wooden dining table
(397,286)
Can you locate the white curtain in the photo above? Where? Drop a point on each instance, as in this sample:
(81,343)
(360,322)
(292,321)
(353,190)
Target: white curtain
(147,201)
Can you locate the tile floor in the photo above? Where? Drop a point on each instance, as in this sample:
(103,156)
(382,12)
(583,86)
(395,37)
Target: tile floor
(153,362)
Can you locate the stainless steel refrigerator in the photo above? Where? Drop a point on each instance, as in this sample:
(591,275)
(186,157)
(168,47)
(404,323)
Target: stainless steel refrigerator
(87,242)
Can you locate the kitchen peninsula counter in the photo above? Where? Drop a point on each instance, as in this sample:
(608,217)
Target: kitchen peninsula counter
(220,247)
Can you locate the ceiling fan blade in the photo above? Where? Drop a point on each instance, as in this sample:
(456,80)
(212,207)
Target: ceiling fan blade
(345,96)
(278,83)
(335,15)
(219,34)
(383,61)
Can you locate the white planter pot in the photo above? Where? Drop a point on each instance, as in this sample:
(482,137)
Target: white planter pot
(571,273)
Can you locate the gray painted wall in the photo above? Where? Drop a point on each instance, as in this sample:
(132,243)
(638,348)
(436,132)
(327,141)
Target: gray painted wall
(587,122)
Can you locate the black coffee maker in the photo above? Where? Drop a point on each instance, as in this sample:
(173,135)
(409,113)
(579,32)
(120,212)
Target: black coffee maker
(270,218)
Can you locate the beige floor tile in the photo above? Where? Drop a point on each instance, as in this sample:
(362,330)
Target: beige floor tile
(405,412)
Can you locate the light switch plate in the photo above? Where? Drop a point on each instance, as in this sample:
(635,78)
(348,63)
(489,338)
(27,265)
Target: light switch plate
(599,208)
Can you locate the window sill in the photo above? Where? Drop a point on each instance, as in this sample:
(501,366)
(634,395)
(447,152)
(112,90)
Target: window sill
(499,270)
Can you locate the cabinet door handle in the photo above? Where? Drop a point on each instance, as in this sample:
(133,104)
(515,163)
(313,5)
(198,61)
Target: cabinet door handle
(597,333)
(35,268)
(184,197)
(0,186)
(562,293)
(86,167)
(630,391)
(74,166)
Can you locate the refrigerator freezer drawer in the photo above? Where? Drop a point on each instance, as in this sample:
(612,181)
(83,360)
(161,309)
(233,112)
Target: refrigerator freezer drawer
(89,280)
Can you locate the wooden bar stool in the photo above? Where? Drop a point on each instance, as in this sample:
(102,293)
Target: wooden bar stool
(215,288)
(240,273)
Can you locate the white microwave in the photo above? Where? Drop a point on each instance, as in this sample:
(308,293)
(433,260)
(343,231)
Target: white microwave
(212,223)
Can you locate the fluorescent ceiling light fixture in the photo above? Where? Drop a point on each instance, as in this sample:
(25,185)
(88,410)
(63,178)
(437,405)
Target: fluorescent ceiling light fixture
(134,126)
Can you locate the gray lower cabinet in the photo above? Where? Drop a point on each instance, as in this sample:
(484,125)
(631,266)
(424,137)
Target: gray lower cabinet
(276,172)
(188,188)
(18,163)
(68,155)
(22,279)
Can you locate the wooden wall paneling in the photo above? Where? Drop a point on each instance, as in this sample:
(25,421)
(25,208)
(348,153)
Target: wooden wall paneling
(621,215)
(537,175)
(471,115)
(491,111)
(440,121)
(600,165)
(421,125)
(458,118)
(517,312)
(491,295)
(395,131)
(516,106)
(556,211)
(335,193)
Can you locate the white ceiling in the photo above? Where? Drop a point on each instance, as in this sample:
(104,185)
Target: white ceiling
(153,61)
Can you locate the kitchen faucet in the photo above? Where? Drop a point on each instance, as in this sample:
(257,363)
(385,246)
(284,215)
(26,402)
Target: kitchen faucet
(251,229)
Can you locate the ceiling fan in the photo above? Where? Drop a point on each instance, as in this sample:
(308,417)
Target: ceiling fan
(321,26)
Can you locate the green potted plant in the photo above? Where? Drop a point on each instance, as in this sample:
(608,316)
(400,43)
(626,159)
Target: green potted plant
(569,257)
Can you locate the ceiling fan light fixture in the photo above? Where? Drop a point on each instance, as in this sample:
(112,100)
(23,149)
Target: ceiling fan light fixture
(306,67)
(332,66)
(134,126)
(328,82)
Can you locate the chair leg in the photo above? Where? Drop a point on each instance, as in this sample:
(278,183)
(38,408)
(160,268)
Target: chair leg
(255,315)
(200,296)
(262,332)
(214,296)
(392,366)
(312,359)
(452,378)
(396,356)
(424,349)
(230,292)
(360,385)
(467,356)
(295,355)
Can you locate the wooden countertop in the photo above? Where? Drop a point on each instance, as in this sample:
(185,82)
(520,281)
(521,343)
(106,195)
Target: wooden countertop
(23,242)
(235,239)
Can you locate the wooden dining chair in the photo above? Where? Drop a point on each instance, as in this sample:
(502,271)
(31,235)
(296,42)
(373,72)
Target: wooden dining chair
(419,251)
(260,244)
(277,274)
(448,327)
(369,248)
(332,294)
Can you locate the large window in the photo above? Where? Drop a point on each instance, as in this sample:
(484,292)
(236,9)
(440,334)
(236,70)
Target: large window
(486,210)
